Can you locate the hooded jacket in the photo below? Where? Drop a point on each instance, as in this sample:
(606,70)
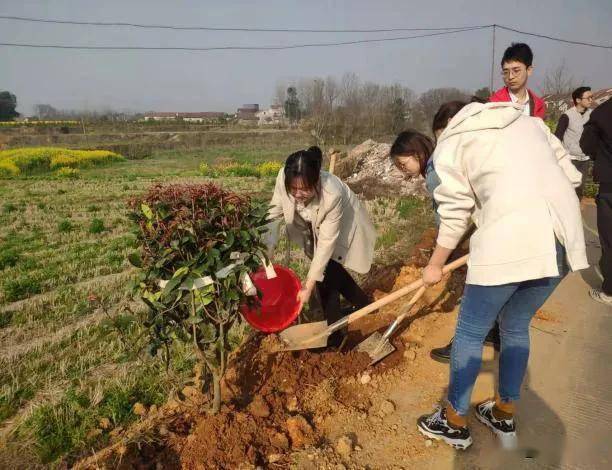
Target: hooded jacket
(537,106)
(515,179)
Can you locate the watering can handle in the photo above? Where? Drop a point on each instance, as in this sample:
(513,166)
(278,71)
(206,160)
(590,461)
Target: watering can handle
(392,297)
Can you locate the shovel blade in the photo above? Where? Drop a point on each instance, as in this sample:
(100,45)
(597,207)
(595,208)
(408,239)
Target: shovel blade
(375,347)
(300,336)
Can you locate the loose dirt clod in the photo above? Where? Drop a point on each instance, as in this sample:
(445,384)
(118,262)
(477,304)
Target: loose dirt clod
(259,407)
(344,446)
(386,408)
(280,440)
(365,379)
(300,431)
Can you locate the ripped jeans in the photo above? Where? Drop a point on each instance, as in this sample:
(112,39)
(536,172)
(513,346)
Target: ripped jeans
(513,305)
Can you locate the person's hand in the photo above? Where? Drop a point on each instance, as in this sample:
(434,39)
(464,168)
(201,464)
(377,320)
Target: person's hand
(432,274)
(304,295)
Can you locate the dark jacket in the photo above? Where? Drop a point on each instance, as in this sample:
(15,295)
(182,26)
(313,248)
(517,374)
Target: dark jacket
(596,141)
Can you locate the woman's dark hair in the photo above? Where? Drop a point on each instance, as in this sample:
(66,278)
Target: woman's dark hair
(414,144)
(446,112)
(304,164)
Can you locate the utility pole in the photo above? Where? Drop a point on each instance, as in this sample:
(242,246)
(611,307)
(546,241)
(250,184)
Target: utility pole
(492,61)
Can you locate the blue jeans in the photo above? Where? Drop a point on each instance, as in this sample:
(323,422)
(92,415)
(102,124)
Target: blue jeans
(514,305)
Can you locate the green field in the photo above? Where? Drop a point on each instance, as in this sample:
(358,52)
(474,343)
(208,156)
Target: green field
(71,351)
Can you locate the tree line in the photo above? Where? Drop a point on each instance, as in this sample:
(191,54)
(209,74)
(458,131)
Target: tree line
(349,110)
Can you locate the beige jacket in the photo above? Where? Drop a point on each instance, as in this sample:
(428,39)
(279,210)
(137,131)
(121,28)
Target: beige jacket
(515,178)
(341,226)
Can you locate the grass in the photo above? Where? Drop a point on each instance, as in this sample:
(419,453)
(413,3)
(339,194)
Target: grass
(67,361)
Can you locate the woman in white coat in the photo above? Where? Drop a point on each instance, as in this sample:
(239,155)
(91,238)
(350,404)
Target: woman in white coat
(508,173)
(329,222)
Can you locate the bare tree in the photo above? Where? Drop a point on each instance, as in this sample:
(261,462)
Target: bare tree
(280,92)
(430,101)
(556,87)
(558,81)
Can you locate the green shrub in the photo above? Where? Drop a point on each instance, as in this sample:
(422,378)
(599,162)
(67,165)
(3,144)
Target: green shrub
(208,171)
(96,226)
(64,226)
(8,207)
(8,258)
(65,172)
(20,288)
(179,228)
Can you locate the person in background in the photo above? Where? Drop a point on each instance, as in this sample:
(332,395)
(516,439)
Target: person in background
(517,66)
(509,174)
(411,147)
(569,130)
(329,222)
(596,141)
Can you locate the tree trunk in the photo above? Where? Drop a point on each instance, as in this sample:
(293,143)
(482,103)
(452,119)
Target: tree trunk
(216,405)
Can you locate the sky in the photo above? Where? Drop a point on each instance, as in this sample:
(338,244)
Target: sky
(223,80)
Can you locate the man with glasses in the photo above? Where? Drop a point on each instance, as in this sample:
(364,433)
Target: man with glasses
(570,127)
(517,66)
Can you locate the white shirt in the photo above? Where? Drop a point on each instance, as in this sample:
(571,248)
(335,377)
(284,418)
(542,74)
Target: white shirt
(526,106)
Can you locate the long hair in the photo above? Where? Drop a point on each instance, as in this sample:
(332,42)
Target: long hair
(306,165)
(414,144)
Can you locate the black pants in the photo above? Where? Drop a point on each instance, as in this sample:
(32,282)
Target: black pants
(604,226)
(583,168)
(338,281)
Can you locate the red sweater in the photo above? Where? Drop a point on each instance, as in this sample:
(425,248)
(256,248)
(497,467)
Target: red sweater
(537,105)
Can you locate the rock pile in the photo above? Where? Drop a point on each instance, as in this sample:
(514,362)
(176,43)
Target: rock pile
(369,171)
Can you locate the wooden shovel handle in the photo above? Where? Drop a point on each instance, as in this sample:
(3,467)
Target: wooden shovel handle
(387,299)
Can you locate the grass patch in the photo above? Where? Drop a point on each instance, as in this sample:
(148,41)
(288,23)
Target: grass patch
(20,288)
(96,226)
(65,226)
(238,169)
(8,258)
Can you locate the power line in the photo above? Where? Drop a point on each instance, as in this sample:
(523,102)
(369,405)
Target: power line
(234,48)
(567,41)
(211,28)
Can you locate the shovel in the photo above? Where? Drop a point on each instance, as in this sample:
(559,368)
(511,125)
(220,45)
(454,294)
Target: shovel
(378,346)
(315,335)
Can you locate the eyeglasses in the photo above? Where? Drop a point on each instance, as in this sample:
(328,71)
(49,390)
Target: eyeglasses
(512,72)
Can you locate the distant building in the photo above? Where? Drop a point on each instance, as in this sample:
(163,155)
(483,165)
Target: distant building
(188,117)
(273,115)
(247,112)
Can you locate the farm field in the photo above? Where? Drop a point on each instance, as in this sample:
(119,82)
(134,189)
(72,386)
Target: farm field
(72,363)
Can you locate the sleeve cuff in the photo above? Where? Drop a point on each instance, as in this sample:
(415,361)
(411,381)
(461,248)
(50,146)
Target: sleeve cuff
(448,241)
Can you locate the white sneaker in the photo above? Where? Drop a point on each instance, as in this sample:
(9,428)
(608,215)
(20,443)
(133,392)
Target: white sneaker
(600,297)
